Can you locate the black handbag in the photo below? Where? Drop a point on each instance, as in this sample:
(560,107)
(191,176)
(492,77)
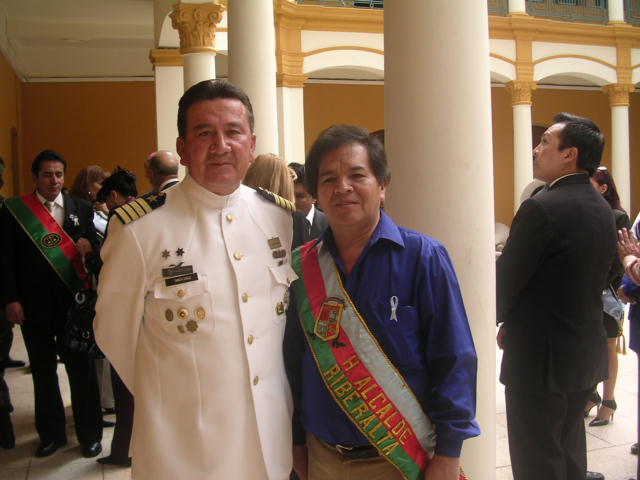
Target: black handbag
(78,332)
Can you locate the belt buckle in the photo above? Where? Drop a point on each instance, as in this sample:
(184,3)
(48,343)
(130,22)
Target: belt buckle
(343,449)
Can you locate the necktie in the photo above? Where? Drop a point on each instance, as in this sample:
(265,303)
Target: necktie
(49,206)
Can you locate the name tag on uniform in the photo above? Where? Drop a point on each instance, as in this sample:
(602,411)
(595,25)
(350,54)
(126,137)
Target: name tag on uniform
(181,279)
(177,270)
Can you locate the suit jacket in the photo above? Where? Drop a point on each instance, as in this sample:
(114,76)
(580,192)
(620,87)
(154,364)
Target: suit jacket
(26,275)
(550,277)
(319,223)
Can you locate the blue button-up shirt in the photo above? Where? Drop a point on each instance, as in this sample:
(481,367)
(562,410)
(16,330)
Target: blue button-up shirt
(430,343)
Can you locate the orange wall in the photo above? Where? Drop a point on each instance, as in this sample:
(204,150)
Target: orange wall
(89,123)
(327,104)
(502,133)
(10,87)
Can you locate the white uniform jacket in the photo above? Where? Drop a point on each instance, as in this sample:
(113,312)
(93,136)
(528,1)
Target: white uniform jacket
(200,345)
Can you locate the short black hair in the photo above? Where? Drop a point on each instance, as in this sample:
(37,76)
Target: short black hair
(584,134)
(298,169)
(44,156)
(337,136)
(121,181)
(211,90)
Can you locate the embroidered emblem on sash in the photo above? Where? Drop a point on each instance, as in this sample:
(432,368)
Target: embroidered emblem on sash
(51,240)
(327,326)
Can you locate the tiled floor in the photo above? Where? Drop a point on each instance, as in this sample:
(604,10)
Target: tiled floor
(608,446)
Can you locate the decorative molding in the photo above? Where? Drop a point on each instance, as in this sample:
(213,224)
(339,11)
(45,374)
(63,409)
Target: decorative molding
(165,57)
(520,91)
(568,55)
(618,93)
(343,47)
(290,80)
(196,24)
(332,19)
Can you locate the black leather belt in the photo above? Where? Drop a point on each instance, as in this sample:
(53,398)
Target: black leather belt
(352,452)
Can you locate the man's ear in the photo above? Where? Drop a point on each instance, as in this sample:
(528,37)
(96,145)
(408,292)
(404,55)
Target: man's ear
(571,156)
(180,150)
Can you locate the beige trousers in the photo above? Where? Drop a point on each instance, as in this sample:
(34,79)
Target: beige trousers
(327,464)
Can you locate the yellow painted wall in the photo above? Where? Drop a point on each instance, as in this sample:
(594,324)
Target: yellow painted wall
(10,87)
(502,133)
(328,104)
(89,123)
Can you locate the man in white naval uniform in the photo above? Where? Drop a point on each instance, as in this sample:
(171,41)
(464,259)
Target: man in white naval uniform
(191,306)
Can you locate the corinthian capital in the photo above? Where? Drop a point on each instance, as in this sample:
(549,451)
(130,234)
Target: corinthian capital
(520,91)
(618,93)
(196,24)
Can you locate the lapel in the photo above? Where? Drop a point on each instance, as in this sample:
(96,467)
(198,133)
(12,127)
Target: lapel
(70,207)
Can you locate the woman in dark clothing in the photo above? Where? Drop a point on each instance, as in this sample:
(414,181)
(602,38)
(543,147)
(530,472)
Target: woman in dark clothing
(603,182)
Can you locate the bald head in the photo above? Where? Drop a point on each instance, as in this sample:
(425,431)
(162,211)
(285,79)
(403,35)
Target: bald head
(161,167)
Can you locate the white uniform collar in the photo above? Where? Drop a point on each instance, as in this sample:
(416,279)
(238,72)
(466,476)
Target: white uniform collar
(204,196)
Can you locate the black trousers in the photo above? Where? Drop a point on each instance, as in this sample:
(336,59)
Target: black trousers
(42,331)
(546,434)
(124,417)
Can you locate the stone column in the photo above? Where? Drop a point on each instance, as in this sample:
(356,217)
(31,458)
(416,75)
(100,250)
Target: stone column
(252,65)
(517,6)
(167,65)
(438,140)
(290,84)
(520,92)
(616,11)
(196,24)
(620,155)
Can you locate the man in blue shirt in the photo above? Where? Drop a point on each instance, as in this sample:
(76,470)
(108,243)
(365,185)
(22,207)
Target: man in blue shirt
(378,336)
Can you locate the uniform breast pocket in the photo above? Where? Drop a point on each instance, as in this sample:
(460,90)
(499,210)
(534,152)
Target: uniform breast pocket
(281,276)
(181,309)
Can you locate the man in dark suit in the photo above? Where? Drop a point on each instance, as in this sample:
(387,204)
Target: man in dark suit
(161,168)
(44,237)
(305,203)
(549,282)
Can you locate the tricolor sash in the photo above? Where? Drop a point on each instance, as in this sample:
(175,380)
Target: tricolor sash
(51,240)
(362,380)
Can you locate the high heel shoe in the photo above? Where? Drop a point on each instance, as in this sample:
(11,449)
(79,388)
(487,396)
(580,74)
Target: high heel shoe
(594,401)
(601,422)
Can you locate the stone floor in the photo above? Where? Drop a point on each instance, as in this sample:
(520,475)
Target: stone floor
(608,446)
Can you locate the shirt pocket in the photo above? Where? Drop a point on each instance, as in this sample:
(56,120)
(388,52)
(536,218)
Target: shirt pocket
(397,330)
(183,309)
(281,276)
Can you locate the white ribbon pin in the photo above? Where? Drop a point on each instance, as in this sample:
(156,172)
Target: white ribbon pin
(393,301)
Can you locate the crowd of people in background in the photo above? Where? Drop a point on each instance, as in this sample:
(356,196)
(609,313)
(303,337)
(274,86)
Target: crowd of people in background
(319,233)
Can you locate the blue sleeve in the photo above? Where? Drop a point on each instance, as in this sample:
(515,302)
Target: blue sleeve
(631,289)
(451,356)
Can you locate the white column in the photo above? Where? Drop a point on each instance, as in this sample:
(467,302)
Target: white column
(616,10)
(252,65)
(620,155)
(169,89)
(522,151)
(438,139)
(198,66)
(291,124)
(517,6)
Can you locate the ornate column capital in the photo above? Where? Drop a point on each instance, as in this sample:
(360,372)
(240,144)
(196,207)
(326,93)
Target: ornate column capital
(618,93)
(520,91)
(196,24)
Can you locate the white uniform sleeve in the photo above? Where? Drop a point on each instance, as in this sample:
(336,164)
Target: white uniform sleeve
(120,305)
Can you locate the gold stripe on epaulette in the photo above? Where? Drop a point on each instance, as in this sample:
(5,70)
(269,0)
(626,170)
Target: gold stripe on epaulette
(130,211)
(137,208)
(122,215)
(145,206)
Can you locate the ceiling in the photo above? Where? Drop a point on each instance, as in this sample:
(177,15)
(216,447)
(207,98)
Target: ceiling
(111,39)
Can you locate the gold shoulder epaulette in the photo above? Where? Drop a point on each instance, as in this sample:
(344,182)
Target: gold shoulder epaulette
(277,199)
(147,203)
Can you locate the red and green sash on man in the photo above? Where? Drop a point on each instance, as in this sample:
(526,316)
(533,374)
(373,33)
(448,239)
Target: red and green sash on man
(51,240)
(361,379)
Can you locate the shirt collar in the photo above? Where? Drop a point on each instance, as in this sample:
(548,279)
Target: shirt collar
(565,176)
(311,213)
(385,230)
(56,201)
